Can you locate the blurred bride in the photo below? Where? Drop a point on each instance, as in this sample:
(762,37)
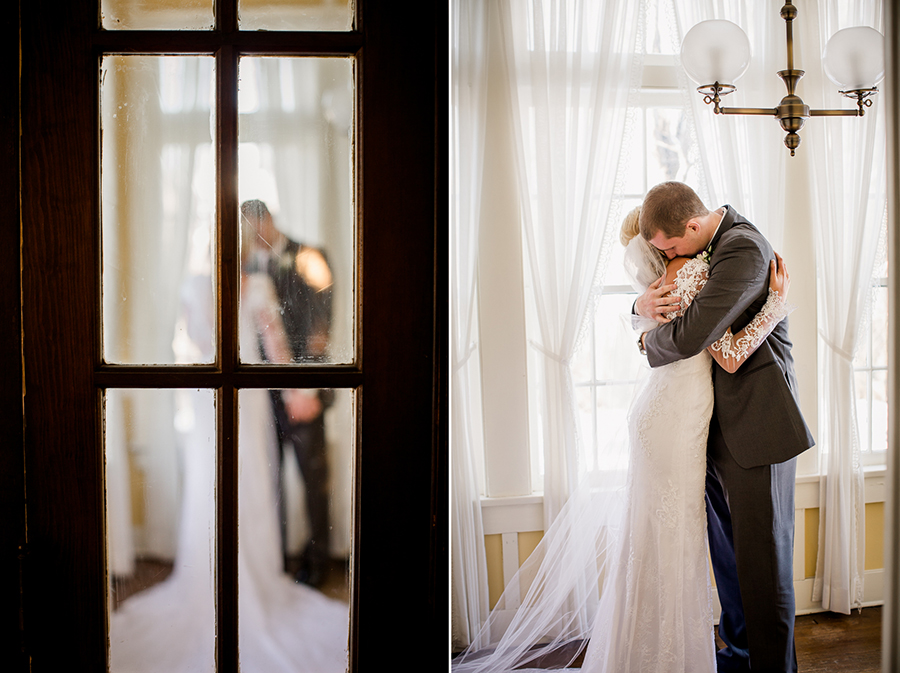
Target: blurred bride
(284,627)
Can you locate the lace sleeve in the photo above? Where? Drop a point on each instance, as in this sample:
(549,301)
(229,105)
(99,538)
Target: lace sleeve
(689,280)
(731,351)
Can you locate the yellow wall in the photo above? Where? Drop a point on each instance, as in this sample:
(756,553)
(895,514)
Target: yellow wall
(812,540)
(527,543)
(494,550)
(874,537)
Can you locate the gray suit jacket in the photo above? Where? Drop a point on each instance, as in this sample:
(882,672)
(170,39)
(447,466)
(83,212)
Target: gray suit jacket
(757,406)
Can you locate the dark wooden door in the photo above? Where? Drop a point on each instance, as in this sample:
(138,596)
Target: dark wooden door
(54,566)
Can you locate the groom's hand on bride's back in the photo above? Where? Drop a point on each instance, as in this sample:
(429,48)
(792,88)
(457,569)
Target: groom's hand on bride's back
(655,303)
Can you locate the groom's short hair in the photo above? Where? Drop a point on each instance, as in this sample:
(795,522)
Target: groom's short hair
(667,207)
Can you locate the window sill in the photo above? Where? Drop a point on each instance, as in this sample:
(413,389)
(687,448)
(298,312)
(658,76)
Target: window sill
(520,513)
(524,513)
(807,493)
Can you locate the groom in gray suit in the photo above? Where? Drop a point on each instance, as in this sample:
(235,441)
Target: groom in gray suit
(756,430)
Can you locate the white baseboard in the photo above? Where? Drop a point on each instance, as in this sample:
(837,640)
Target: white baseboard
(873,593)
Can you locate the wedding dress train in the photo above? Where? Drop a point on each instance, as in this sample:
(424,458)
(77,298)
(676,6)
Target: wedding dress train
(284,627)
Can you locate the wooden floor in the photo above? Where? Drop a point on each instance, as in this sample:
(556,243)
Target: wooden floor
(825,642)
(148,572)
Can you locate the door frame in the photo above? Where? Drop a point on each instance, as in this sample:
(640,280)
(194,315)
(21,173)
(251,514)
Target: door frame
(56,575)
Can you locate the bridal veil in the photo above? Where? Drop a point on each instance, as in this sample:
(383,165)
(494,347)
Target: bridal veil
(550,605)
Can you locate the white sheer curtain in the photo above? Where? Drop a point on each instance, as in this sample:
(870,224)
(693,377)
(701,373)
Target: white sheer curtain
(147,241)
(742,157)
(849,207)
(572,65)
(469,592)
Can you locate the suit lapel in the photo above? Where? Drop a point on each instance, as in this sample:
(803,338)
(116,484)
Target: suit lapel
(728,220)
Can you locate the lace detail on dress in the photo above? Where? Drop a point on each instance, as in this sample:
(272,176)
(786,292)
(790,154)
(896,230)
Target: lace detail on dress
(645,421)
(773,311)
(689,280)
(668,510)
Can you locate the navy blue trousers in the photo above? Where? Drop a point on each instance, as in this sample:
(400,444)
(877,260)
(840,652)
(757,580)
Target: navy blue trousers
(750,514)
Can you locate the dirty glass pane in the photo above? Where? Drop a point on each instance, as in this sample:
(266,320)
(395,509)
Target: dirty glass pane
(160,511)
(295,458)
(325,15)
(297,242)
(158,209)
(157,14)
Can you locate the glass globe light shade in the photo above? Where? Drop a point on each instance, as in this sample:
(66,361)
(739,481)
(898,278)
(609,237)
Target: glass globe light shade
(715,51)
(854,58)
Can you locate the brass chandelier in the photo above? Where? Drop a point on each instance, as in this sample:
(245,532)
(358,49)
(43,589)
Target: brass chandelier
(716,53)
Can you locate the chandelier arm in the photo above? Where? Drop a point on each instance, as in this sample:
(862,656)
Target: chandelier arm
(769,112)
(835,113)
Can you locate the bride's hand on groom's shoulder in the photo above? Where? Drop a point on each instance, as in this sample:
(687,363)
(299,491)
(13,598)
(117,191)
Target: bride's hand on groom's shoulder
(656,301)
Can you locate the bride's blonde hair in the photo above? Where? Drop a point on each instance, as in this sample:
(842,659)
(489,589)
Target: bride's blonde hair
(630,226)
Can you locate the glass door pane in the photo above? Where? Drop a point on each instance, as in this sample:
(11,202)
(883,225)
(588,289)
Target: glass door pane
(160,510)
(157,14)
(297,205)
(157,209)
(295,457)
(326,15)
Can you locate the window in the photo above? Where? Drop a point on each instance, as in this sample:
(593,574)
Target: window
(870,370)
(662,149)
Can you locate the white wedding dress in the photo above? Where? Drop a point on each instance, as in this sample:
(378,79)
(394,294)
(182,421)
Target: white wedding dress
(284,627)
(656,610)
(643,544)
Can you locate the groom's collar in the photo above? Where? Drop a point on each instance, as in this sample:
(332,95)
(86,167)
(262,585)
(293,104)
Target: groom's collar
(725,224)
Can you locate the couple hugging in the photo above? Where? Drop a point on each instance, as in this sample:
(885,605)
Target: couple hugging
(714,432)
